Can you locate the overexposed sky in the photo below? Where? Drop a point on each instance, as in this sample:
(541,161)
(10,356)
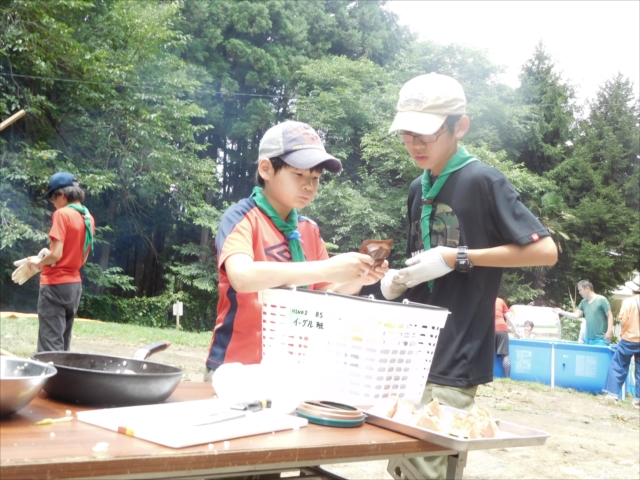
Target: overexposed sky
(590,41)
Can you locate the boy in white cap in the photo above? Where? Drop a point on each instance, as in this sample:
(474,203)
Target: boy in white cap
(263,243)
(60,284)
(466,223)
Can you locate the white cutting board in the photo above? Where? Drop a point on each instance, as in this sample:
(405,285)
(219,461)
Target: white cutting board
(173,424)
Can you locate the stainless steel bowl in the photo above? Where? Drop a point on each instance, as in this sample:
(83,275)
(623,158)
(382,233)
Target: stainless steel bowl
(20,381)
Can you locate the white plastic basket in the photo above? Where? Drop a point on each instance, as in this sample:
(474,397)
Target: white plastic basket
(360,349)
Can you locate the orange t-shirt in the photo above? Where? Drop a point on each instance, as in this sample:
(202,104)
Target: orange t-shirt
(68,228)
(501,309)
(629,317)
(237,335)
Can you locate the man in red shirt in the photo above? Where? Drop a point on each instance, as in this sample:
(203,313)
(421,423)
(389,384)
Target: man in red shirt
(263,243)
(60,284)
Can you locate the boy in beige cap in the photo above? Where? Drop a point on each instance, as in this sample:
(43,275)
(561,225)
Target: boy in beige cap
(466,223)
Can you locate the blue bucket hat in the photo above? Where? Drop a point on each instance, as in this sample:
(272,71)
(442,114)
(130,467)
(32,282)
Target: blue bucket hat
(60,180)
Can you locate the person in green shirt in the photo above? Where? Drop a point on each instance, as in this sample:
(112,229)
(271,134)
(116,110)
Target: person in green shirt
(597,314)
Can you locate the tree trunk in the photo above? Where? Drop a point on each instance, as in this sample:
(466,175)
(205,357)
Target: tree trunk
(153,281)
(540,277)
(138,269)
(105,248)
(206,232)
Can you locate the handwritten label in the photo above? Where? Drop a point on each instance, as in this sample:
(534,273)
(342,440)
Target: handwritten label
(305,318)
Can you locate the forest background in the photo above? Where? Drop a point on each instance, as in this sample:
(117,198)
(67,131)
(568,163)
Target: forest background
(158,107)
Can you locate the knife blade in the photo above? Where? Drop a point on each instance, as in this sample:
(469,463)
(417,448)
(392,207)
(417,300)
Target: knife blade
(222,417)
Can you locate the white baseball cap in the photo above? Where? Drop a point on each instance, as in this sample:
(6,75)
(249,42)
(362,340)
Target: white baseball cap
(426,101)
(634,285)
(298,145)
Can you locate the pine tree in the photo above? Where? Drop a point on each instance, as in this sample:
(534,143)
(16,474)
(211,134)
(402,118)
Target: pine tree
(547,114)
(599,182)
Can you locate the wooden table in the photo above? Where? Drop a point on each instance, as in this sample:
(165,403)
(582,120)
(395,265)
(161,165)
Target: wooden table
(64,450)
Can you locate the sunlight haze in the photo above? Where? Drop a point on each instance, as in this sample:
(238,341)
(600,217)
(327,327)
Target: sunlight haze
(589,41)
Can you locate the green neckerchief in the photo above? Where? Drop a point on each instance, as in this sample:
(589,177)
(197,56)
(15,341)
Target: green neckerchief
(289,228)
(88,236)
(430,192)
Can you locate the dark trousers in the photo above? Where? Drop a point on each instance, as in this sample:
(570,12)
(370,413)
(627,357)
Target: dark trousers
(57,308)
(619,367)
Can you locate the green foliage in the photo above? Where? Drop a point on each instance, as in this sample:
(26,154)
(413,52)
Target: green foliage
(596,181)
(109,278)
(144,311)
(120,121)
(548,113)
(570,328)
(159,108)
(515,290)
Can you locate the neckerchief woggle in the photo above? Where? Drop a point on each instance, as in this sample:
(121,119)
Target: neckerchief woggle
(289,228)
(430,192)
(88,236)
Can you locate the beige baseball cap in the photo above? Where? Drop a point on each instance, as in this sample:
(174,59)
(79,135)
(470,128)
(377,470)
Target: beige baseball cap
(425,103)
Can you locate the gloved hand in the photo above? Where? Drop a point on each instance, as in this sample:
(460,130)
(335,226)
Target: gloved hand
(424,267)
(24,271)
(390,287)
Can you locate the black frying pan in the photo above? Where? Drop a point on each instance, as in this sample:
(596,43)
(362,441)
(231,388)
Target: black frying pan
(110,381)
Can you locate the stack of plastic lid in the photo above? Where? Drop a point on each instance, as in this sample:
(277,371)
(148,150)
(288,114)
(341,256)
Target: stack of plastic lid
(331,414)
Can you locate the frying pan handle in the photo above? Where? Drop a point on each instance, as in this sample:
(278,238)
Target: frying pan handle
(150,349)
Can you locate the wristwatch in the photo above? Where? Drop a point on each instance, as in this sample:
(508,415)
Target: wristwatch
(463,264)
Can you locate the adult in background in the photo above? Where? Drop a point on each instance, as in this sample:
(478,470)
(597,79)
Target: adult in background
(628,347)
(60,284)
(597,314)
(504,323)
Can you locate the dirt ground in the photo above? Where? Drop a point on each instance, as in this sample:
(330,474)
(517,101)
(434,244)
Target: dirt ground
(588,439)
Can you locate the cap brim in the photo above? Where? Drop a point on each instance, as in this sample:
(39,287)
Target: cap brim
(308,158)
(417,122)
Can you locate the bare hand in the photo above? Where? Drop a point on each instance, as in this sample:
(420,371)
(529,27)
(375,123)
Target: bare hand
(375,275)
(348,267)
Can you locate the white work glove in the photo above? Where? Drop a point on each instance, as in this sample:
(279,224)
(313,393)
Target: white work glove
(390,286)
(424,267)
(24,271)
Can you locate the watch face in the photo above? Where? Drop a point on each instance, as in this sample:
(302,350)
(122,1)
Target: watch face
(463,265)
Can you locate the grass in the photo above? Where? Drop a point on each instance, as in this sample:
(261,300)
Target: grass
(17,334)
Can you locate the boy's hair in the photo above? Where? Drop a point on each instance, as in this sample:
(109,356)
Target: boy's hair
(528,323)
(451,122)
(278,163)
(586,284)
(73,193)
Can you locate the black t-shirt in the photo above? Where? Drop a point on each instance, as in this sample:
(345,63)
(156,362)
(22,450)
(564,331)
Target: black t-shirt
(477,207)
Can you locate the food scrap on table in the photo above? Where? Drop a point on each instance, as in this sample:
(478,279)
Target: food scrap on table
(49,421)
(100,447)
